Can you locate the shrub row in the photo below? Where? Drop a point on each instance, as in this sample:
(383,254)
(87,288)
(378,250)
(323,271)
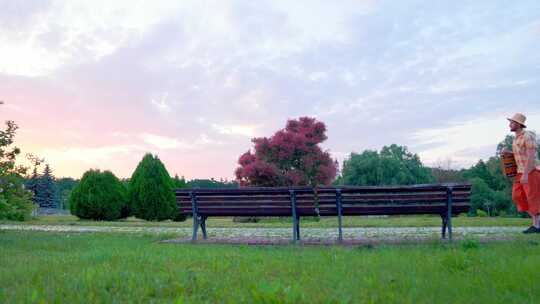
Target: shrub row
(148,195)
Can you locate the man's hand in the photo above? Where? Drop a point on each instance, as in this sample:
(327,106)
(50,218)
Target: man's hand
(524,179)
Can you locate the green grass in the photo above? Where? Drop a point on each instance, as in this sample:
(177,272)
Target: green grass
(118,268)
(326,222)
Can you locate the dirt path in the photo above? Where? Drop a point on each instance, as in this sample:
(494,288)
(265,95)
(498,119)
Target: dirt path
(285,234)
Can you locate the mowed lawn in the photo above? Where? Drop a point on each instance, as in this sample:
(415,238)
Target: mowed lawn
(324,222)
(41,267)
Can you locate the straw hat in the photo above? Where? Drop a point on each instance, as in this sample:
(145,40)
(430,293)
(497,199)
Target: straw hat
(519,118)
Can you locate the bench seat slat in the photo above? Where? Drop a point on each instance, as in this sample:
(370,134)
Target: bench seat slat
(322,197)
(370,210)
(323,190)
(325,202)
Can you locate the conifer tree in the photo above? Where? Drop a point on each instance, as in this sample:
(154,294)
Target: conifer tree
(151,191)
(179,182)
(45,194)
(99,196)
(32,183)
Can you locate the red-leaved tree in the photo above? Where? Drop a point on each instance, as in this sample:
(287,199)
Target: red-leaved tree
(291,157)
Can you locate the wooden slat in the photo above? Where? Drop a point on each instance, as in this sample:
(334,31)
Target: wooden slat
(323,190)
(371,210)
(417,199)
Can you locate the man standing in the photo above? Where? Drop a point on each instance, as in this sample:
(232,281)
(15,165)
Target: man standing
(526,188)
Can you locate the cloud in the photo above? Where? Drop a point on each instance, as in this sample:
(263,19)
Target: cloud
(72,32)
(465,142)
(12,107)
(165,143)
(88,155)
(169,143)
(162,105)
(243,130)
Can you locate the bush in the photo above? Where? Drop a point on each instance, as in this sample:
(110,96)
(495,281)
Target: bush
(15,202)
(481,213)
(180,217)
(99,196)
(15,209)
(151,192)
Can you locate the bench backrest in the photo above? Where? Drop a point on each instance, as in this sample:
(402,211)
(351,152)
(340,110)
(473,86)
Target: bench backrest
(279,201)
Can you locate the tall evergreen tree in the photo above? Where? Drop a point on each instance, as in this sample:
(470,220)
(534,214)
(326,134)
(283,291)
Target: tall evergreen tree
(33,181)
(151,191)
(46,189)
(32,184)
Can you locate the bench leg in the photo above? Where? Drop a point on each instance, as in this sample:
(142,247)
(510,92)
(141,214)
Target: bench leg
(195,227)
(444,222)
(297,229)
(449,226)
(203,227)
(340,228)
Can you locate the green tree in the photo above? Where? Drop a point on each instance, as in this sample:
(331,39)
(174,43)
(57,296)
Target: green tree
(211,183)
(444,173)
(99,196)
(45,194)
(506,143)
(481,170)
(179,182)
(15,200)
(482,196)
(394,165)
(151,191)
(64,186)
(32,183)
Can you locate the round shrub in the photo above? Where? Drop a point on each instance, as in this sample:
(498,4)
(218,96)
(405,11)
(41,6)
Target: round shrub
(151,194)
(99,196)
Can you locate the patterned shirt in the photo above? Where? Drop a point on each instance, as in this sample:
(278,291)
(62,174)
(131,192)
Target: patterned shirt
(523,143)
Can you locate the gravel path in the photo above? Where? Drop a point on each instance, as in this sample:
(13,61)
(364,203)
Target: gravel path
(314,234)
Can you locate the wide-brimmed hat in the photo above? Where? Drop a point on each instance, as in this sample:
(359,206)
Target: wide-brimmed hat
(519,118)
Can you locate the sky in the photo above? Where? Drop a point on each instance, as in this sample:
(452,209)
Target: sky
(97,84)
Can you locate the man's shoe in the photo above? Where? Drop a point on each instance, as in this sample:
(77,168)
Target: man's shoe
(532,229)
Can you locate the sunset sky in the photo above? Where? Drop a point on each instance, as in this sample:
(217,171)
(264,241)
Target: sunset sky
(96,84)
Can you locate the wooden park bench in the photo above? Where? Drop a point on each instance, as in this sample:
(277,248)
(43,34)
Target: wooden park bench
(443,199)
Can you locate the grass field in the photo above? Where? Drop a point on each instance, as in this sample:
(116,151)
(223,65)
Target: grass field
(111,268)
(327,222)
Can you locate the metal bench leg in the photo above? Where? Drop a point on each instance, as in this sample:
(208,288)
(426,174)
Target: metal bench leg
(449,226)
(339,207)
(203,227)
(443,233)
(195,227)
(295,217)
(449,193)
(297,229)
(340,237)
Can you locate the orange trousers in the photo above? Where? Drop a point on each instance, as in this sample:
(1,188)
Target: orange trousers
(527,196)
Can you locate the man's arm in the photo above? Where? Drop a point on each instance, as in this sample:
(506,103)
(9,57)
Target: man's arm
(529,166)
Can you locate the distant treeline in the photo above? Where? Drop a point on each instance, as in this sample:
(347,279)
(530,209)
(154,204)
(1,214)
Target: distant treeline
(392,165)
